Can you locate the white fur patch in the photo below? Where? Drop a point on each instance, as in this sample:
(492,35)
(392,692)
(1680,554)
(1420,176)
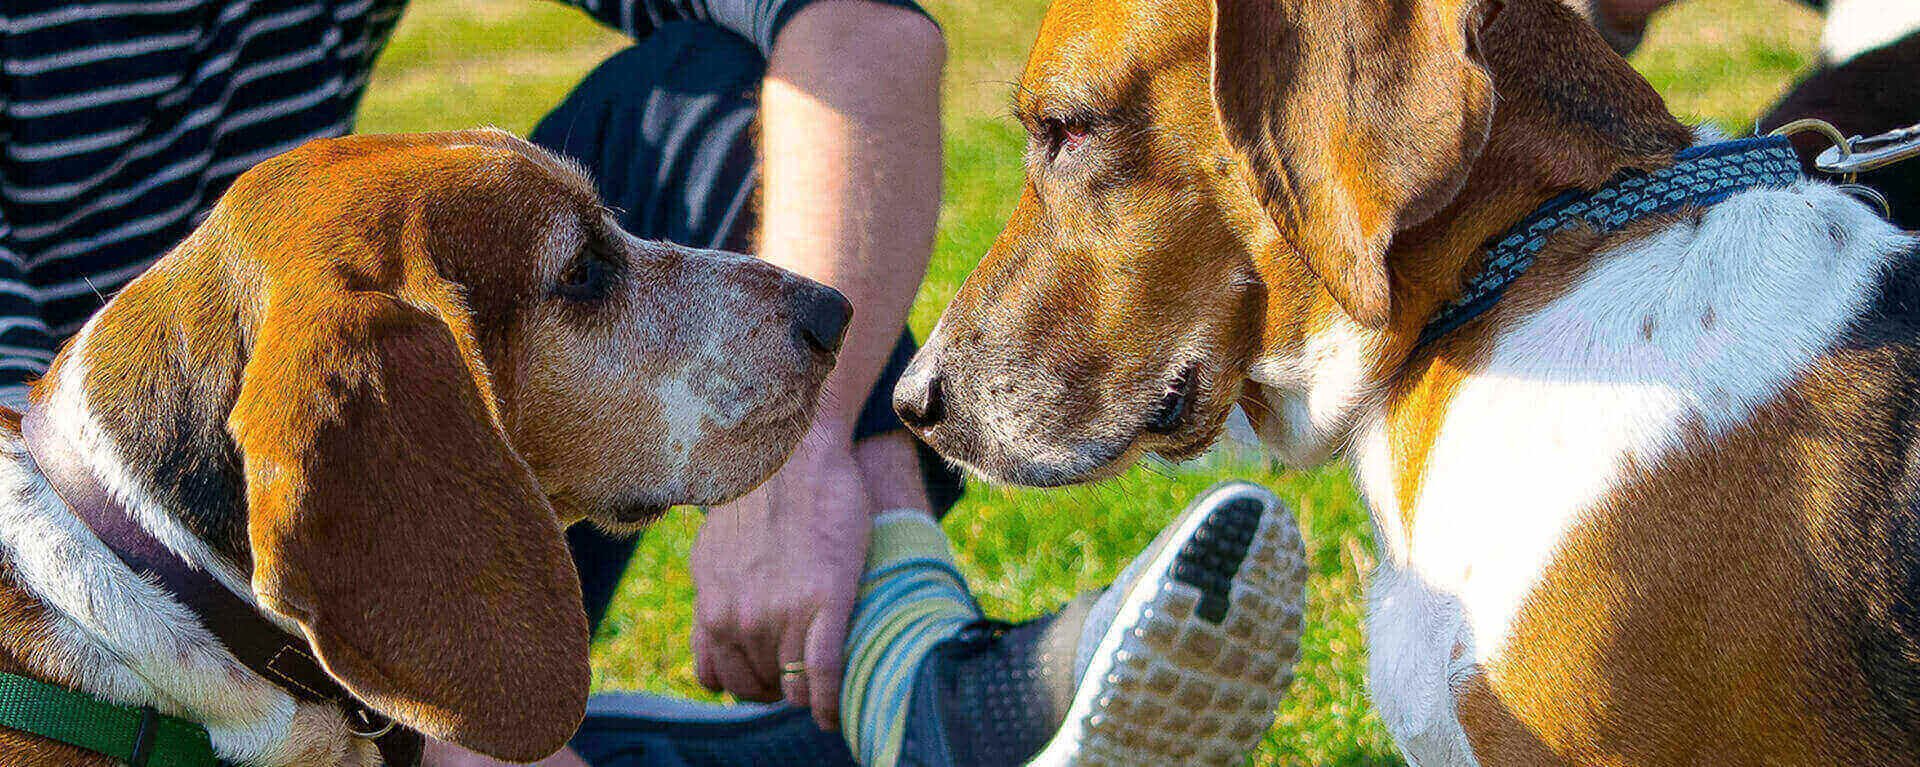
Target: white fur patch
(121,635)
(1694,325)
(1314,395)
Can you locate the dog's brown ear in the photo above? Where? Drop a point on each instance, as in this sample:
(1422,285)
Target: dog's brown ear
(1358,118)
(391,520)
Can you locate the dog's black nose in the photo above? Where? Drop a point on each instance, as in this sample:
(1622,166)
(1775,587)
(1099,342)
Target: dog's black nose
(820,316)
(920,399)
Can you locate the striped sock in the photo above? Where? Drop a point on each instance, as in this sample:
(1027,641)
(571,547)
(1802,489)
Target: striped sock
(911,598)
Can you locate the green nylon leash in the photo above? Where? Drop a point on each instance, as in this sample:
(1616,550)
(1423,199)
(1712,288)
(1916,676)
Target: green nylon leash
(141,737)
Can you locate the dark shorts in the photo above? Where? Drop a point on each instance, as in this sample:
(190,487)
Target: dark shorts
(666,129)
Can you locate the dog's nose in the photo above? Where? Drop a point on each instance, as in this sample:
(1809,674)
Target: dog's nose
(920,399)
(820,316)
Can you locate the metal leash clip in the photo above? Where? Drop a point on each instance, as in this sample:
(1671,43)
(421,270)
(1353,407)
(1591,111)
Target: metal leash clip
(1870,153)
(1848,157)
(367,723)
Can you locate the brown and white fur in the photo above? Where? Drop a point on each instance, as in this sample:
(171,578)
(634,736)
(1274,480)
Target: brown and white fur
(367,394)
(1659,506)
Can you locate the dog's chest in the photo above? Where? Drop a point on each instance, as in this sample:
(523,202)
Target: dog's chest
(1676,337)
(1502,491)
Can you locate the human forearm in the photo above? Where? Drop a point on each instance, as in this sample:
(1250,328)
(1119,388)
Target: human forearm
(850,137)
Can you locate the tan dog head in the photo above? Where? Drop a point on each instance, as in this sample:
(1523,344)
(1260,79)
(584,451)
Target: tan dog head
(1283,194)
(387,371)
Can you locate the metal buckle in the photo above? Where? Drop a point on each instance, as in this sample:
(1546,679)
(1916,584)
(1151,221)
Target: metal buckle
(143,738)
(366,723)
(1816,125)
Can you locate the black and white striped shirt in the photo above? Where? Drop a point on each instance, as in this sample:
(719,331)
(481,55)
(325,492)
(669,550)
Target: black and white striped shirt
(122,121)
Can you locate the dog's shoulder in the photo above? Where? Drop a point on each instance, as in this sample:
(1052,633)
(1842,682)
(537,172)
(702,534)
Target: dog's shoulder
(1862,406)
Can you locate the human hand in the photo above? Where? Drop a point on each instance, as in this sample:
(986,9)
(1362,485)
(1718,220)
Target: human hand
(775,574)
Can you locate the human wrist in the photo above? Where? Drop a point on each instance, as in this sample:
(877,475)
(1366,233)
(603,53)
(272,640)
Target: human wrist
(890,465)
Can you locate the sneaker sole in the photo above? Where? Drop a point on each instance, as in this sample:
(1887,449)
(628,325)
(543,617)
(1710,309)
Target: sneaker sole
(1203,646)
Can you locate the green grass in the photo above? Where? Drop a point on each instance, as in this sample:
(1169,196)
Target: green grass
(506,62)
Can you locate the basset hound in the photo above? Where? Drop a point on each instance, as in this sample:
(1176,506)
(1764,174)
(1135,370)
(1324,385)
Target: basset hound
(364,397)
(1637,416)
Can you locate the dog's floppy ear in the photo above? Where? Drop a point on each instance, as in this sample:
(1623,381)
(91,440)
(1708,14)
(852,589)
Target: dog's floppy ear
(1358,119)
(391,520)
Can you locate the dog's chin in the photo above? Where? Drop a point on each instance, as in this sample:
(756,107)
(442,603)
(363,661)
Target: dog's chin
(628,519)
(772,441)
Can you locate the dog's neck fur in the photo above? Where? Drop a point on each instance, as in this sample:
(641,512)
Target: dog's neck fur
(1512,437)
(1570,115)
(115,634)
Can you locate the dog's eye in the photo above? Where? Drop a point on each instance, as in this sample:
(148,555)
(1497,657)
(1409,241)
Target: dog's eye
(589,279)
(1067,135)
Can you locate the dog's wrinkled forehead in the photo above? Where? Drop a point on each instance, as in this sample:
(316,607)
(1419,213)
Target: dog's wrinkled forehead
(483,208)
(1091,54)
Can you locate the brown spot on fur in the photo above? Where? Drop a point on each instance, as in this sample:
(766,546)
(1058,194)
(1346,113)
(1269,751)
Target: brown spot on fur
(1419,406)
(1415,414)
(1746,600)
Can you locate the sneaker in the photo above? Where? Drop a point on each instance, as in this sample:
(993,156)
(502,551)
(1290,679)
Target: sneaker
(1201,642)
(1182,661)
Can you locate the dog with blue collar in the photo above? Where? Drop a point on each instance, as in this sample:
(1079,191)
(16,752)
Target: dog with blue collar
(1635,413)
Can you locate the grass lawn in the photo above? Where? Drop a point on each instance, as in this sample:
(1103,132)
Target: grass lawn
(506,62)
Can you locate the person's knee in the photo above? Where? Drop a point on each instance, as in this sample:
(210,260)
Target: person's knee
(691,57)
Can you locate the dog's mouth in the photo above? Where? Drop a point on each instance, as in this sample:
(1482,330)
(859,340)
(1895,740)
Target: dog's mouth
(628,518)
(1175,425)
(638,514)
(1187,418)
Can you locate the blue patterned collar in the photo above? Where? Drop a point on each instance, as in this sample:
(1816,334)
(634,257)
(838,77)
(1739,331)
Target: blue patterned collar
(1700,175)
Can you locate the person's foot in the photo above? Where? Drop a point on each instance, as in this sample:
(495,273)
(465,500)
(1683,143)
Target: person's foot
(1182,661)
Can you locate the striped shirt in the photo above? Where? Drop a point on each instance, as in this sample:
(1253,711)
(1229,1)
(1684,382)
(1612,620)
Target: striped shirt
(122,121)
